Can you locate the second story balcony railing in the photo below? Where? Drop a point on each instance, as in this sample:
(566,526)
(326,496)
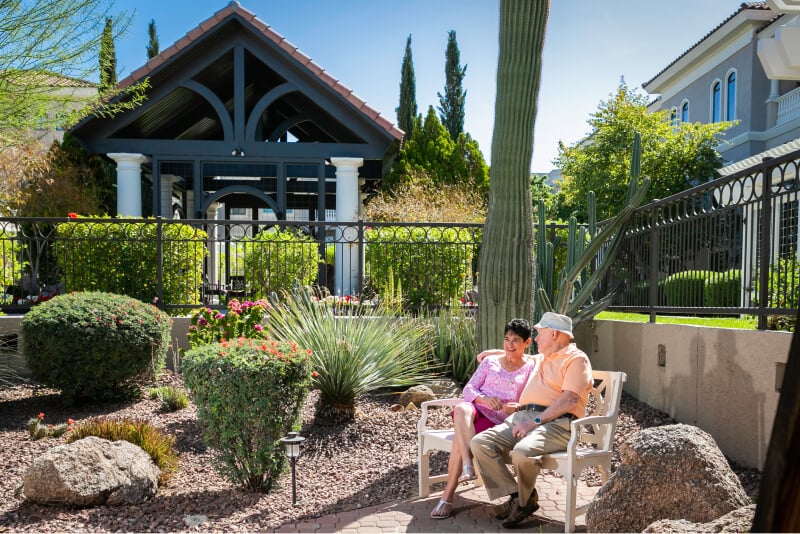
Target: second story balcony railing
(788,107)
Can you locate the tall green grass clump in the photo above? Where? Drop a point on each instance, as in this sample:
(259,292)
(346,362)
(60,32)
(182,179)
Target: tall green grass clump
(249,393)
(367,350)
(158,445)
(95,346)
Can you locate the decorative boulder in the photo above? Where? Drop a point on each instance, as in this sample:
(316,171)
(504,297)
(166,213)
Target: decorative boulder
(740,520)
(667,472)
(417,395)
(92,471)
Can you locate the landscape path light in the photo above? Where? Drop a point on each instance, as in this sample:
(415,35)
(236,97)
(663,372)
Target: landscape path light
(292,443)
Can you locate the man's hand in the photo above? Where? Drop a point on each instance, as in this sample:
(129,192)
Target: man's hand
(490,352)
(522,429)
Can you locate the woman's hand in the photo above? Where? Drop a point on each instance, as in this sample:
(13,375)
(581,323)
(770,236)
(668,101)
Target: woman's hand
(510,407)
(490,352)
(492,402)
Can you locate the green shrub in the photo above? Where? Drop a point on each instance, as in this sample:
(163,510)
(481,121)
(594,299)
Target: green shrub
(249,394)
(723,289)
(433,265)
(158,445)
(95,346)
(11,264)
(273,259)
(172,399)
(122,258)
(456,343)
(783,291)
(242,319)
(685,289)
(369,349)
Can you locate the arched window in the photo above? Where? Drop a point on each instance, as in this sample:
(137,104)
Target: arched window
(685,111)
(673,116)
(730,97)
(716,101)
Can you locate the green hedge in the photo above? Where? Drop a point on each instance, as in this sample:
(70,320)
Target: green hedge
(123,258)
(723,289)
(431,265)
(273,259)
(685,289)
(95,346)
(249,393)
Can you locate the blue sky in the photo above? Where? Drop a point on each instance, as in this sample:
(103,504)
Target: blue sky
(589,45)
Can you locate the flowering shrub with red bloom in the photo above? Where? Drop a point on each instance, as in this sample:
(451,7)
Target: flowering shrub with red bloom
(242,319)
(249,393)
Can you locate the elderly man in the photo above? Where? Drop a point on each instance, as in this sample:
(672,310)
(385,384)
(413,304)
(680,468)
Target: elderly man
(556,393)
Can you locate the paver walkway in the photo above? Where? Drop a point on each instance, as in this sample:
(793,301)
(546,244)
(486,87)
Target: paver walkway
(473,513)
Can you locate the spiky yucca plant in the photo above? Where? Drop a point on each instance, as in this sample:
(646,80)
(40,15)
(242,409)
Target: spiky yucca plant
(367,350)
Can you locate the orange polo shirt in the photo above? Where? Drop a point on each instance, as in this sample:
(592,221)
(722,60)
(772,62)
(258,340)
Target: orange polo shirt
(566,370)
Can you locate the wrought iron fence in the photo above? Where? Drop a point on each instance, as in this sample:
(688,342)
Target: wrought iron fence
(727,247)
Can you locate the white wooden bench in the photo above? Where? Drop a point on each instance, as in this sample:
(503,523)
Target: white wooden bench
(590,445)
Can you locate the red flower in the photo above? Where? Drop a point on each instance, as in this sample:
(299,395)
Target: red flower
(315,374)
(40,416)
(72,215)
(70,422)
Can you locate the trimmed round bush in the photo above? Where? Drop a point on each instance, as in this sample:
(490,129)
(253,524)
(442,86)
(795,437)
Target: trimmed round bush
(95,346)
(249,393)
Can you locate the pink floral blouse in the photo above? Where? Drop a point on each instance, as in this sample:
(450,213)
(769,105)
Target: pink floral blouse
(492,380)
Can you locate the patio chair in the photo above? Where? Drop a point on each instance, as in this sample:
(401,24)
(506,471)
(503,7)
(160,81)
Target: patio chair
(590,445)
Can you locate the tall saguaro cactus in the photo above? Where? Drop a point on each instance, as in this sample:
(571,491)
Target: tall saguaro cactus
(507,263)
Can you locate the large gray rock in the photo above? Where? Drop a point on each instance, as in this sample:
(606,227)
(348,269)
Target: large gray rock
(740,520)
(667,472)
(92,471)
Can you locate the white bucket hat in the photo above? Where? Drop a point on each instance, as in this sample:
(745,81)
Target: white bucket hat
(556,321)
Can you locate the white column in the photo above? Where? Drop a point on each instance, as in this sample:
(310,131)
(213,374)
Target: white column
(129,183)
(213,243)
(772,104)
(167,181)
(348,201)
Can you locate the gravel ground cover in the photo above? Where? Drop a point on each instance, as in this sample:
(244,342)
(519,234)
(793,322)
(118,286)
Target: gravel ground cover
(344,466)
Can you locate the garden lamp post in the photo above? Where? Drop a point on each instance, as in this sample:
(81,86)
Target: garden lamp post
(292,443)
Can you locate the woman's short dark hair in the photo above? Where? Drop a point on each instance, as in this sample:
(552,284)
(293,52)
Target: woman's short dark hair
(521,327)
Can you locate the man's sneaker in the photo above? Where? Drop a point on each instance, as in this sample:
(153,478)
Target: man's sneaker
(521,513)
(504,510)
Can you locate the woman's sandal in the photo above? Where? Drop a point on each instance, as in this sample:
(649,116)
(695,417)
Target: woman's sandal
(467,474)
(442,510)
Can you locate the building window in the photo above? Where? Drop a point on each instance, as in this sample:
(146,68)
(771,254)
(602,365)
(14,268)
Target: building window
(673,117)
(685,111)
(730,108)
(716,101)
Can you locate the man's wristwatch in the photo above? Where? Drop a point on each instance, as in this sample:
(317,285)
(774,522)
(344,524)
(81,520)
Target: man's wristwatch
(537,420)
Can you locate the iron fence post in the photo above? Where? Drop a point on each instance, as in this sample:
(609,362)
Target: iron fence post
(652,289)
(762,265)
(160,260)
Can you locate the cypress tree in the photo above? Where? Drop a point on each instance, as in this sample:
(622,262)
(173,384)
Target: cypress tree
(108,59)
(407,110)
(451,104)
(152,45)
(507,262)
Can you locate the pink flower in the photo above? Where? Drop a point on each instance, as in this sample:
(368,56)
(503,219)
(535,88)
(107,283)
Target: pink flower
(258,328)
(40,416)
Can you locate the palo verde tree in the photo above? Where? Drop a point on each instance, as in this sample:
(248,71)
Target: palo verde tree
(507,263)
(108,58)
(674,156)
(152,43)
(407,110)
(451,103)
(49,40)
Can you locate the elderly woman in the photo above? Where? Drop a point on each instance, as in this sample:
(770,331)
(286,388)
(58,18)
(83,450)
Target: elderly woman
(489,396)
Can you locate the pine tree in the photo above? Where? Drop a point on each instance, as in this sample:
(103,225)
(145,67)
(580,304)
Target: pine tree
(152,45)
(108,59)
(407,110)
(451,104)
(507,262)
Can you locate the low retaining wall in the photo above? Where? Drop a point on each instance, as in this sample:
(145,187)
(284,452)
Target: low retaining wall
(725,381)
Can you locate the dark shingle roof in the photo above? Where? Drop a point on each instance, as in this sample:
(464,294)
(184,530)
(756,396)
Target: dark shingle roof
(234,7)
(742,7)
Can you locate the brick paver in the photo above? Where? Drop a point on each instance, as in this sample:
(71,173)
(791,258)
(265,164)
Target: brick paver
(472,513)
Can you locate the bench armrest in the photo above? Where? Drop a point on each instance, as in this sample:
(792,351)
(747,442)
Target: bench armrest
(423,418)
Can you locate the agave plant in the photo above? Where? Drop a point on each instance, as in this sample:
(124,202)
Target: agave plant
(368,350)
(584,247)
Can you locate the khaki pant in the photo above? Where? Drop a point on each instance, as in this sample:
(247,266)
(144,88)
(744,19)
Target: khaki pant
(496,447)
